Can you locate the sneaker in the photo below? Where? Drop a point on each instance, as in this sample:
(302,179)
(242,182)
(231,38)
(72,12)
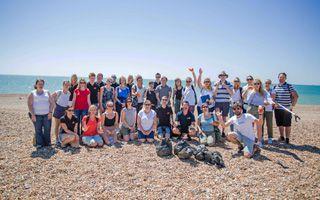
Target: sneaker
(269,140)
(281,139)
(287,141)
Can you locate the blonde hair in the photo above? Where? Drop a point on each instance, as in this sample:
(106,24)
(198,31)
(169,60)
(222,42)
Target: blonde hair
(261,90)
(82,80)
(208,79)
(74,77)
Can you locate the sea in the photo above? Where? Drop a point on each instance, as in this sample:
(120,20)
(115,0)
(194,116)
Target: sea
(20,84)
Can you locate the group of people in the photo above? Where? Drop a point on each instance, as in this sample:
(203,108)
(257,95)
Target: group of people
(101,112)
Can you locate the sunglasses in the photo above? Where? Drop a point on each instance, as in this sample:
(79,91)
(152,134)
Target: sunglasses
(236,81)
(164,99)
(204,106)
(70,110)
(158,77)
(147,104)
(110,106)
(129,101)
(249,79)
(237,108)
(188,81)
(207,82)
(82,83)
(256,84)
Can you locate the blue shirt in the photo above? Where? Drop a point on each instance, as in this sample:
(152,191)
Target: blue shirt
(206,123)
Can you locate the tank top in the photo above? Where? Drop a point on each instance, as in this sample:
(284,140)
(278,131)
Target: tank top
(178,94)
(63,98)
(107,95)
(130,115)
(109,122)
(41,102)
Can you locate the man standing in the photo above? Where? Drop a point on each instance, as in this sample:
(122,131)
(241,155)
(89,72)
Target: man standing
(94,89)
(222,93)
(285,95)
(100,80)
(114,83)
(163,90)
(157,82)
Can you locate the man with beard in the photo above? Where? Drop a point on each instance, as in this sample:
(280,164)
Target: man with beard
(243,134)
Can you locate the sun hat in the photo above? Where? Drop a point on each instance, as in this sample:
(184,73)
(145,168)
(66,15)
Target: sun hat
(223,73)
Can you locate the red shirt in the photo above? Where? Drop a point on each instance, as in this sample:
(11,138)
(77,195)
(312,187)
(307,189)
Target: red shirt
(81,99)
(92,126)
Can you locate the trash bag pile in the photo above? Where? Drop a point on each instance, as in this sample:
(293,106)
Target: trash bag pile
(183,150)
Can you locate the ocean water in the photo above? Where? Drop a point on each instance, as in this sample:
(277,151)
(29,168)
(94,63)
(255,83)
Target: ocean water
(18,84)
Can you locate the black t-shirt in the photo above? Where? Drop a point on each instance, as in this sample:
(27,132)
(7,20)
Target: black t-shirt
(178,94)
(72,88)
(70,123)
(101,84)
(155,84)
(164,115)
(130,87)
(151,96)
(94,89)
(114,85)
(185,120)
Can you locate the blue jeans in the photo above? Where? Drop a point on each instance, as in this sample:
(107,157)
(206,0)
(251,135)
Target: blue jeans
(166,131)
(42,128)
(80,114)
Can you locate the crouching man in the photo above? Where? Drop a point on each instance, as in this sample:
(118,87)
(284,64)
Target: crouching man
(184,126)
(243,135)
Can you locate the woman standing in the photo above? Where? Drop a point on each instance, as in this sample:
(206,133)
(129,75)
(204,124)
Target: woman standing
(107,93)
(151,95)
(147,123)
(177,95)
(206,93)
(81,101)
(130,82)
(73,86)
(109,120)
(91,126)
(61,99)
(128,121)
(122,93)
(138,93)
(268,113)
(40,106)
(258,97)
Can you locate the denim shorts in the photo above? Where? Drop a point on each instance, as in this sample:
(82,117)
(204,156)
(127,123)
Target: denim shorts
(164,130)
(143,136)
(247,142)
(59,111)
(89,140)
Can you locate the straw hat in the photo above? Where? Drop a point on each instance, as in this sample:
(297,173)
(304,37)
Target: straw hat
(223,73)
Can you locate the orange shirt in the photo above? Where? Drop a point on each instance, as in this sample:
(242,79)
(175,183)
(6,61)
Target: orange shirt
(92,126)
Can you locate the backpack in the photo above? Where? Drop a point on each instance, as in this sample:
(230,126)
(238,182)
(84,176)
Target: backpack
(183,150)
(195,94)
(214,158)
(199,152)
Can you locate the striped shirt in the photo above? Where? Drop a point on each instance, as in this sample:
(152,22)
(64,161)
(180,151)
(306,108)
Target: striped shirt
(223,94)
(283,94)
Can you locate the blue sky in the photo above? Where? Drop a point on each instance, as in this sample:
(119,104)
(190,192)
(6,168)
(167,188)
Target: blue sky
(61,37)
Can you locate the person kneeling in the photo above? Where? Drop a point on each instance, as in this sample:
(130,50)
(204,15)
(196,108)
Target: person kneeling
(110,124)
(209,133)
(243,135)
(91,125)
(68,131)
(147,122)
(184,126)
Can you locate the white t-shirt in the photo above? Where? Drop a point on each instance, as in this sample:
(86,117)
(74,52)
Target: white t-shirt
(236,97)
(188,95)
(204,96)
(244,125)
(147,119)
(141,91)
(269,108)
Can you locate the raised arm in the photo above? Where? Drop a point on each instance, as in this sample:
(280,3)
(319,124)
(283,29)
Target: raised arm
(199,79)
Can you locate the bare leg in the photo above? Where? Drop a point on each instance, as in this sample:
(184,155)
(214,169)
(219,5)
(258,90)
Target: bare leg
(56,127)
(288,131)
(281,131)
(105,138)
